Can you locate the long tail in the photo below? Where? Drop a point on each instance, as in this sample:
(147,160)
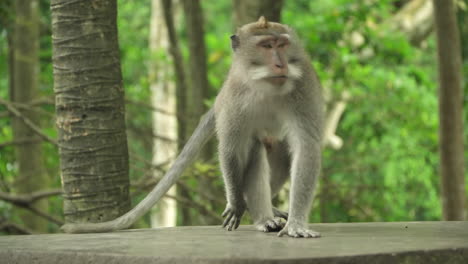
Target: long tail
(204,131)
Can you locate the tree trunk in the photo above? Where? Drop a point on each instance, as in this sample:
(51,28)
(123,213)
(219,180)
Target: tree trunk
(181,92)
(181,84)
(450,111)
(198,92)
(89,100)
(247,11)
(24,89)
(463,22)
(199,86)
(163,95)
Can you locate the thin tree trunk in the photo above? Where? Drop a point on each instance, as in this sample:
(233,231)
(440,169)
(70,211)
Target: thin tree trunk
(181,92)
(163,96)
(463,23)
(24,89)
(89,100)
(181,84)
(450,111)
(198,92)
(199,86)
(247,11)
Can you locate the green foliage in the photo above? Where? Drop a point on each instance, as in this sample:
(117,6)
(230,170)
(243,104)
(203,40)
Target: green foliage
(387,168)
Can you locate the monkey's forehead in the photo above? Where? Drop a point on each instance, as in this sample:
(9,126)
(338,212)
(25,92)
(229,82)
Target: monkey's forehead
(269,37)
(258,29)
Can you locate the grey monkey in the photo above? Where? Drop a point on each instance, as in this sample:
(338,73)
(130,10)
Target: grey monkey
(268,118)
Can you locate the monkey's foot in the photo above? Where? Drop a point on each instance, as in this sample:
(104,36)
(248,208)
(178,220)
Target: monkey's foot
(270,225)
(280,214)
(297,230)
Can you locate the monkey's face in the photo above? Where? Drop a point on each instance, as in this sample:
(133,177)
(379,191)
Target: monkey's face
(269,63)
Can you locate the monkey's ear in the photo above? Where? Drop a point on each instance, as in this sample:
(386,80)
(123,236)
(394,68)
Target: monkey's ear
(235,43)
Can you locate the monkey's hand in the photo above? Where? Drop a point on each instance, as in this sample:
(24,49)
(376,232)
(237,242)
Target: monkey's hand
(294,229)
(233,216)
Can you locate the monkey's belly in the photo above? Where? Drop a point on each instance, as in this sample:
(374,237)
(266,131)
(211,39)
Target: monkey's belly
(271,138)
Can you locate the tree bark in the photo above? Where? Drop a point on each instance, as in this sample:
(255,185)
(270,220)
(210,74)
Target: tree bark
(24,89)
(163,96)
(89,99)
(247,11)
(450,111)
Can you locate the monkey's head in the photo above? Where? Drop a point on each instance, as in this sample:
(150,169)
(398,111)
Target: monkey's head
(270,55)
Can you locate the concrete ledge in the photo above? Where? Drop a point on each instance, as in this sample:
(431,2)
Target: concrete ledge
(400,242)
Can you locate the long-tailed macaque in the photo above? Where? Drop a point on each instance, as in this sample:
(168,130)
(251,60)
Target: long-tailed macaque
(268,119)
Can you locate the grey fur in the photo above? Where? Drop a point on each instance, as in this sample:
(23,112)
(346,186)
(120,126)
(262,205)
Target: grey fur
(250,111)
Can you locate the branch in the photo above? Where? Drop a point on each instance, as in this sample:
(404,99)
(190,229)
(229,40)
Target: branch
(416,20)
(149,106)
(19,142)
(25,200)
(19,229)
(188,203)
(331,139)
(45,215)
(27,121)
(191,204)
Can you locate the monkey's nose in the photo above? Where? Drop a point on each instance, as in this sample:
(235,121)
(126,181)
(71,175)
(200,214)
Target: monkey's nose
(280,70)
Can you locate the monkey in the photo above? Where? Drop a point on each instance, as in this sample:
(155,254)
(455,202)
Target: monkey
(268,118)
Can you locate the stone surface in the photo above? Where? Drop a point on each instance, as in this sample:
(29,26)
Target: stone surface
(399,242)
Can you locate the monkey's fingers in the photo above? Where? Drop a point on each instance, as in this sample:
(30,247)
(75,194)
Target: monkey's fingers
(234,223)
(226,211)
(238,220)
(228,219)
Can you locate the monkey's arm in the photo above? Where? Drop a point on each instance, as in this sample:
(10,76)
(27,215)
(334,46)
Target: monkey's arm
(204,131)
(232,162)
(305,143)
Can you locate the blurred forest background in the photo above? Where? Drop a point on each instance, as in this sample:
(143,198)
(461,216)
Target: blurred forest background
(377,61)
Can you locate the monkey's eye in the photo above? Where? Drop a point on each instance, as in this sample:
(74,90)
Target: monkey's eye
(282,45)
(255,63)
(293,60)
(267,46)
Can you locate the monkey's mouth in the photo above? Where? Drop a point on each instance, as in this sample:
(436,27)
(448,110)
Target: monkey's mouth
(280,79)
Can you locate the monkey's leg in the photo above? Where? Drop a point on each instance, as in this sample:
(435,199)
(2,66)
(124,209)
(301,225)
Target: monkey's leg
(280,166)
(258,192)
(306,159)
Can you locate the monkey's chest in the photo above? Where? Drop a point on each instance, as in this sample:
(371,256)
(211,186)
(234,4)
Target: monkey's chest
(269,129)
